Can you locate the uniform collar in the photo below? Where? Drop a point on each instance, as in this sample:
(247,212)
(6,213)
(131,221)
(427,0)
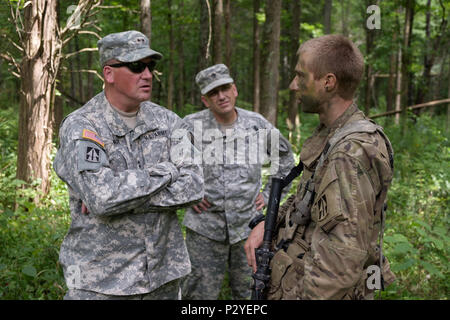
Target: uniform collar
(239,124)
(314,145)
(145,120)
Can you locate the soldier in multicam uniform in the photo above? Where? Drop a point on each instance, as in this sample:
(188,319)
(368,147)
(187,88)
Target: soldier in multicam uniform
(218,226)
(328,231)
(125,241)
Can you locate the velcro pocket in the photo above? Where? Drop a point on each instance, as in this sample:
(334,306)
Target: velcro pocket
(279,265)
(327,208)
(320,207)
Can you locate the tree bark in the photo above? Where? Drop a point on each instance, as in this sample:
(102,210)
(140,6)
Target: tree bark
(293,119)
(447,127)
(344,17)
(270,58)
(204,34)
(256,56)
(227,19)
(170,78)
(80,88)
(38,71)
(432,49)
(391,81)
(146,18)
(41,41)
(217,32)
(327,16)
(406,56)
(368,72)
(181,69)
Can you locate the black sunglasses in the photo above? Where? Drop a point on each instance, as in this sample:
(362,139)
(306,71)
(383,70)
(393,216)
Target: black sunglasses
(136,66)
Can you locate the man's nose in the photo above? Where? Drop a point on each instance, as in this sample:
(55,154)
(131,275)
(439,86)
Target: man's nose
(220,94)
(146,74)
(293,86)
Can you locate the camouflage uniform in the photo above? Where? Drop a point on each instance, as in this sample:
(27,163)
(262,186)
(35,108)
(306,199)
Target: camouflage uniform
(327,257)
(130,243)
(231,189)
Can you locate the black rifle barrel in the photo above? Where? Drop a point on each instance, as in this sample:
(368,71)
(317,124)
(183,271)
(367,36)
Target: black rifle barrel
(272,210)
(264,253)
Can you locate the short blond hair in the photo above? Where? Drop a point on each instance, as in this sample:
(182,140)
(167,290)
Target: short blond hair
(338,55)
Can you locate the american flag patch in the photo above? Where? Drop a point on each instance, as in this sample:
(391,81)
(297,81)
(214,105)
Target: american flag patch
(91,135)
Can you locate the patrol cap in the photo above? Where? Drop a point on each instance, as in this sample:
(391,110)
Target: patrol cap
(213,77)
(127,46)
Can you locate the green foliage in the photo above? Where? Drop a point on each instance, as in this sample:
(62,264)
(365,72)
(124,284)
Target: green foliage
(30,233)
(417,235)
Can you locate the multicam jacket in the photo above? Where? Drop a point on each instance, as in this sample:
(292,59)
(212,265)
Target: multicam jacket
(327,258)
(131,241)
(234,181)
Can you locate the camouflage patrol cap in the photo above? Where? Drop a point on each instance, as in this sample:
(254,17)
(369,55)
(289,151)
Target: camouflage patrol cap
(213,77)
(127,46)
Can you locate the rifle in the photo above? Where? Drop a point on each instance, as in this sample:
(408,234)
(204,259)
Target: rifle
(264,253)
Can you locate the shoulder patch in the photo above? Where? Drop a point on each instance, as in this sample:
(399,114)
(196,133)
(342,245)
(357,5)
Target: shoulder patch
(90,156)
(91,135)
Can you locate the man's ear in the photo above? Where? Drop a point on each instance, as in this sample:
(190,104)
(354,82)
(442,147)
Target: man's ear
(108,74)
(205,101)
(235,91)
(330,82)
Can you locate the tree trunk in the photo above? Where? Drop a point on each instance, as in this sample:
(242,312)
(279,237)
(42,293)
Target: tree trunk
(406,56)
(80,88)
(368,71)
(344,17)
(146,18)
(327,16)
(432,49)
(170,78)
(448,106)
(181,69)
(38,71)
(204,34)
(293,119)
(398,94)
(256,56)
(227,18)
(391,81)
(270,59)
(217,31)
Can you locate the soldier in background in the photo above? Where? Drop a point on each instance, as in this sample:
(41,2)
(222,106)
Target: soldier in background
(216,228)
(125,241)
(328,232)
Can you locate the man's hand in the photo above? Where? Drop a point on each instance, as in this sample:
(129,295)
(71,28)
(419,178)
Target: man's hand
(202,206)
(253,242)
(259,202)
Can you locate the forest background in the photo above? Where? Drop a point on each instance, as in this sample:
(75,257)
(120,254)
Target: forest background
(49,67)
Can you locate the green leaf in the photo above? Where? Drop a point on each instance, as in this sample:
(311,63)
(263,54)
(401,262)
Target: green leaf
(403,266)
(29,271)
(431,269)
(403,247)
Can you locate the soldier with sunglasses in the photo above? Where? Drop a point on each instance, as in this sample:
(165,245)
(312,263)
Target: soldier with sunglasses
(125,184)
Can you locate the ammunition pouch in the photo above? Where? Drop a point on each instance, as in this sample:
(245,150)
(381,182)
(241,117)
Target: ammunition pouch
(287,272)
